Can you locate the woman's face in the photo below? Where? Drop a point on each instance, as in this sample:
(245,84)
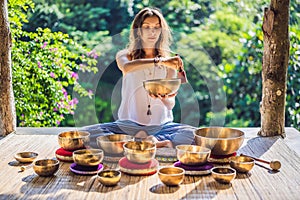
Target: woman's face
(151,30)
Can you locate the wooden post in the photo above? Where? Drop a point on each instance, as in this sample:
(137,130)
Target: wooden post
(7,108)
(274,68)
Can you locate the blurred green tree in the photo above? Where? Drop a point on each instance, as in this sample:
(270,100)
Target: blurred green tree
(45,65)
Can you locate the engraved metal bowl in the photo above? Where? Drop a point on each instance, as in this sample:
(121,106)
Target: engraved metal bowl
(223,174)
(88,157)
(242,164)
(46,167)
(171,176)
(26,157)
(113,144)
(73,140)
(221,140)
(139,151)
(192,154)
(109,177)
(162,87)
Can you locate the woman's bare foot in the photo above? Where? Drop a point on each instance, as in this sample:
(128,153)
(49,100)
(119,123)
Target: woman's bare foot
(159,144)
(164,143)
(141,135)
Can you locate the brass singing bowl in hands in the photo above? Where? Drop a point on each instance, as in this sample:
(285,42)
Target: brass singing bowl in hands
(221,140)
(88,157)
(139,151)
(73,140)
(162,87)
(192,154)
(113,144)
(45,167)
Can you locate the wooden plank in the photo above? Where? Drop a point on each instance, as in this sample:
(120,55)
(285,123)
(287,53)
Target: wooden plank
(43,131)
(268,149)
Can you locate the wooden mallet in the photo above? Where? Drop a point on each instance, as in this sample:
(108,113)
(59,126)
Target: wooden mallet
(274,164)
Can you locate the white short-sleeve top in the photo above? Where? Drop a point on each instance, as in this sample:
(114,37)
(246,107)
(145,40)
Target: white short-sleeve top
(135,99)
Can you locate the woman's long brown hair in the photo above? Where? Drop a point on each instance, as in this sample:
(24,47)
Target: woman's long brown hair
(162,46)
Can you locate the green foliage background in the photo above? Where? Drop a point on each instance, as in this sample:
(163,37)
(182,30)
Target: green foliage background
(221,43)
(45,70)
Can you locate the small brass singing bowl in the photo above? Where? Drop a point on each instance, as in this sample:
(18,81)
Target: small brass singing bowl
(139,151)
(192,154)
(242,164)
(88,157)
(171,176)
(73,140)
(223,175)
(109,177)
(26,157)
(162,87)
(113,144)
(46,167)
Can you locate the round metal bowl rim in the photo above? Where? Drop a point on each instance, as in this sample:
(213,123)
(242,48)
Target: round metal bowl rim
(93,151)
(238,162)
(109,170)
(151,148)
(217,173)
(31,152)
(79,137)
(163,79)
(109,141)
(227,138)
(51,164)
(206,150)
(181,173)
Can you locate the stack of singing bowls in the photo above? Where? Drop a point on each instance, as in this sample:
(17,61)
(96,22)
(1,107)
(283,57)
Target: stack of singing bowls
(139,158)
(69,142)
(87,161)
(193,159)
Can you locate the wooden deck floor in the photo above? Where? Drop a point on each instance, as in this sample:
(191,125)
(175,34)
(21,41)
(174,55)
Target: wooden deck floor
(260,183)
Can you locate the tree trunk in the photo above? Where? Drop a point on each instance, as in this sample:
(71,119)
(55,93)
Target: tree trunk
(7,108)
(274,69)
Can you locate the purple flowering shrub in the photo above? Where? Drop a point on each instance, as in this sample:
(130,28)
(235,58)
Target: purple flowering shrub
(45,73)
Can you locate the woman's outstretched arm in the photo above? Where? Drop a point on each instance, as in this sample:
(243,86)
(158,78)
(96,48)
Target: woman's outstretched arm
(126,65)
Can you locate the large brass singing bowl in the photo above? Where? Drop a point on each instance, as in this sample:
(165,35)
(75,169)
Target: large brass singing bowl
(113,144)
(192,154)
(162,87)
(221,140)
(242,164)
(88,157)
(73,140)
(223,174)
(46,167)
(139,151)
(171,176)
